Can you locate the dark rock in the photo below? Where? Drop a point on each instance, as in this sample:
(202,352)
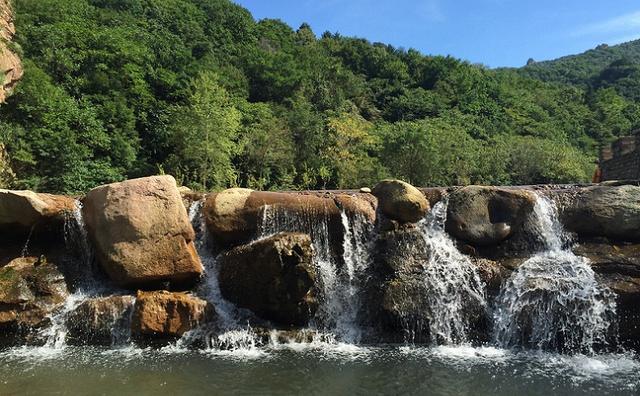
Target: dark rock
(606,211)
(484,216)
(273,277)
(30,289)
(101,320)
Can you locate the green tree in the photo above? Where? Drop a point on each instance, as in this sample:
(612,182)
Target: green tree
(204,135)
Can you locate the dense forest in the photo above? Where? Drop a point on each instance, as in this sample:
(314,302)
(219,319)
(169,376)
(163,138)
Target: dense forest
(198,89)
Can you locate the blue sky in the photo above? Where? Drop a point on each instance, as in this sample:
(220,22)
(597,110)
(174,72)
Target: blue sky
(492,32)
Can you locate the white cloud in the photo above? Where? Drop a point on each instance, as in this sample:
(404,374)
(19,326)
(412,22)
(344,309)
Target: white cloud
(622,24)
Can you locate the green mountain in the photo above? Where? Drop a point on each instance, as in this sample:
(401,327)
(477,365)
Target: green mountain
(605,66)
(115,89)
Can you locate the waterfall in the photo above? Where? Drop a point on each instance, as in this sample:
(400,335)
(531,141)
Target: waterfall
(230,334)
(357,231)
(553,300)
(339,285)
(454,290)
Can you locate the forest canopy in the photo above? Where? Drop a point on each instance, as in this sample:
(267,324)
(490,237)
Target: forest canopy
(117,89)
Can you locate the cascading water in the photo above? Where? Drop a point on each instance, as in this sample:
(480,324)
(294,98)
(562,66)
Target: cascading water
(339,286)
(553,300)
(230,334)
(454,288)
(357,258)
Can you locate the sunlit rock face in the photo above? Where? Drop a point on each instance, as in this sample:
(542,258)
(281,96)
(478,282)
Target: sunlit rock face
(161,314)
(11,69)
(141,232)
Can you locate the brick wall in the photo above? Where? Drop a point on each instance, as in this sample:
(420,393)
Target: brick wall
(621,159)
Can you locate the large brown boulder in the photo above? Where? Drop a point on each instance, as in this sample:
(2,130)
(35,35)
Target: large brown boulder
(101,320)
(272,277)
(236,216)
(141,232)
(401,201)
(30,289)
(162,314)
(483,216)
(604,211)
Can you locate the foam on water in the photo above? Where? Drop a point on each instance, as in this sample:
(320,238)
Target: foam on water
(454,288)
(553,300)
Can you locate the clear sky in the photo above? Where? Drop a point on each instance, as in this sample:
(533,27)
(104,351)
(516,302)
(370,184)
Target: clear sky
(492,32)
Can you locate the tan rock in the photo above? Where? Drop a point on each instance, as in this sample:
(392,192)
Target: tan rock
(10,65)
(141,232)
(26,208)
(401,201)
(163,314)
(234,216)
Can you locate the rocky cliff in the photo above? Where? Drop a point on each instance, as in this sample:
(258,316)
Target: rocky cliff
(10,64)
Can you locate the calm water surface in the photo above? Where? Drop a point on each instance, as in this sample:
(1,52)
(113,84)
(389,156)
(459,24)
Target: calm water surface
(313,370)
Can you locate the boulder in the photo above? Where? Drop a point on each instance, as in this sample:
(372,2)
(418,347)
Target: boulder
(604,211)
(21,211)
(484,216)
(102,320)
(161,314)
(31,288)
(273,277)
(238,215)
(401,201)
(358,205)
(141,232)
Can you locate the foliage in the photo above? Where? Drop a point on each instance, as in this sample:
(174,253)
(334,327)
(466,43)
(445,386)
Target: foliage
(124,88)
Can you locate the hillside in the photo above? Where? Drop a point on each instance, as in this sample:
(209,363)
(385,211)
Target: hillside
(605,66)
(116,89)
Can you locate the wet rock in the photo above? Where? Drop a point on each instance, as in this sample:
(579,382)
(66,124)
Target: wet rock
(273,277)
(20,211)
(141,232)
(396,292)
(30,289)
(606,211)
(483,216)
(362,205)
(234,216)
(618,267)
(401,201)
(165,315)
(102,320)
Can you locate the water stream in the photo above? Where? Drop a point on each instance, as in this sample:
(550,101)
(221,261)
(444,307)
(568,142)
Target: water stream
(553,300)
(455,292)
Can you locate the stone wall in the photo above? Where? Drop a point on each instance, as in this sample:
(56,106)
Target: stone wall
(621,159)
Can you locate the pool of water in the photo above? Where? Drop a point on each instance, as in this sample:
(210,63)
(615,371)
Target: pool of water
(314,369)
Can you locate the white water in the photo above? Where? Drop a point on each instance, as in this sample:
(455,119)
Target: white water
(229,335)
(339,285)
(553,300)
(454,288)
